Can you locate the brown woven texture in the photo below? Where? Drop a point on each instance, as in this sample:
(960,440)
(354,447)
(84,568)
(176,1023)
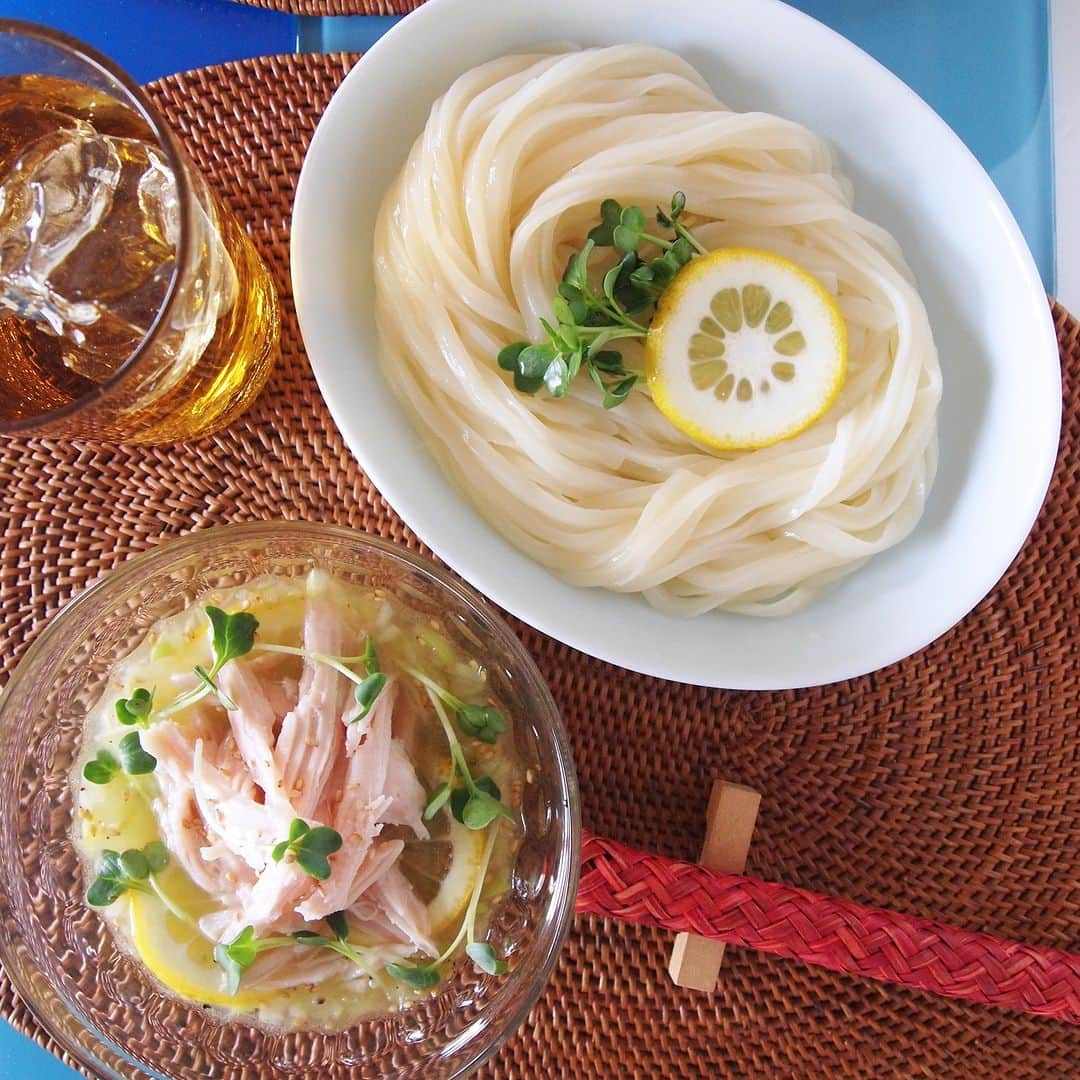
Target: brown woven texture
(339,7)
(947,786)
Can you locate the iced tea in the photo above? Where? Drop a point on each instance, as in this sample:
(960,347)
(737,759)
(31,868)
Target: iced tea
(132,305)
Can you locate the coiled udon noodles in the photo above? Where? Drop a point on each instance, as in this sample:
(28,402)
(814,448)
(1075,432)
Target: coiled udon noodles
(471,241)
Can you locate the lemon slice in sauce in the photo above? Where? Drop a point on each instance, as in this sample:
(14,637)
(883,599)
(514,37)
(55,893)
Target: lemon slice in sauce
(746,348)
(443,871)
(176,954)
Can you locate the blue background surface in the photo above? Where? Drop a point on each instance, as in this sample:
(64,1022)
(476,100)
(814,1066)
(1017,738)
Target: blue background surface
(982,64)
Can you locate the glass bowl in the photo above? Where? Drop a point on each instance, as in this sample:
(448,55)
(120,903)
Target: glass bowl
(99,1003)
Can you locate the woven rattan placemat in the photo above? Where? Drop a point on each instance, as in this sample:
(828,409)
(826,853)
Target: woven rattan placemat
(339,7)
(947,785)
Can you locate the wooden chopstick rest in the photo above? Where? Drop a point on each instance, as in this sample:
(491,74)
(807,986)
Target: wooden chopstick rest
(730,818)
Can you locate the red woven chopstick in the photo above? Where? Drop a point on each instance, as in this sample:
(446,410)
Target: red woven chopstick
(834,933)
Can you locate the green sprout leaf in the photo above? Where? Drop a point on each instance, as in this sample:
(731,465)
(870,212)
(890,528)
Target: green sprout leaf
(663,270)
(587,321)
(419,978)
(681,251)
(610,278)
(526,385)
(309,847)
(576,274)
(634,298)
(625,238)
(557,377)
(135,760)
(311,939)
(117,873)
(577,306)
(297,830)
(157,856)
(608,361)
(670,217)
(103,891)
(371,657)
(642,277)
(339,943)
(573,364)
(483,722)
(110,883)
(339,924)
(458,798)
(135,864)
(610,217)
(628,234)
(508,358)
(569,338)
(102,769)
(366,693)
(477,805)
(534,361)
(488,786)
(474,799)
(483,956)
(633,217)
(481,810)
(437,801)
(236,957)
(562,312)
(232,635)
(617,394)
(135,709)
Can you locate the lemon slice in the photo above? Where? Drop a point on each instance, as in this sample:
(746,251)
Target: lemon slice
(443,871)
(745,349)
(176,954)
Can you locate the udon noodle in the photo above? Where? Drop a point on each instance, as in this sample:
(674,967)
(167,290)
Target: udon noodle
(470,244)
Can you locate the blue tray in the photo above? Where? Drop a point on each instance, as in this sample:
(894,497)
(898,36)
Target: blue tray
(982,64)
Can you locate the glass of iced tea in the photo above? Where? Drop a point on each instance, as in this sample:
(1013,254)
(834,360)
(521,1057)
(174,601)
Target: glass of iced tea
(133,307)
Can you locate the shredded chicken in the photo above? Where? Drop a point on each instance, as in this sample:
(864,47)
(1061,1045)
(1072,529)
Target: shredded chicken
(229,791)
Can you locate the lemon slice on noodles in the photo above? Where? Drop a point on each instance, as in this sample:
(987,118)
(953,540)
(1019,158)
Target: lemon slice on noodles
(443,870)
(175,953)
(745,349)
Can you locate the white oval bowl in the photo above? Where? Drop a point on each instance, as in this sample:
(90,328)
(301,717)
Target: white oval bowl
(999,420)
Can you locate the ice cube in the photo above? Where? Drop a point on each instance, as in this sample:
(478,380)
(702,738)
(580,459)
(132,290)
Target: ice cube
(88,227)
